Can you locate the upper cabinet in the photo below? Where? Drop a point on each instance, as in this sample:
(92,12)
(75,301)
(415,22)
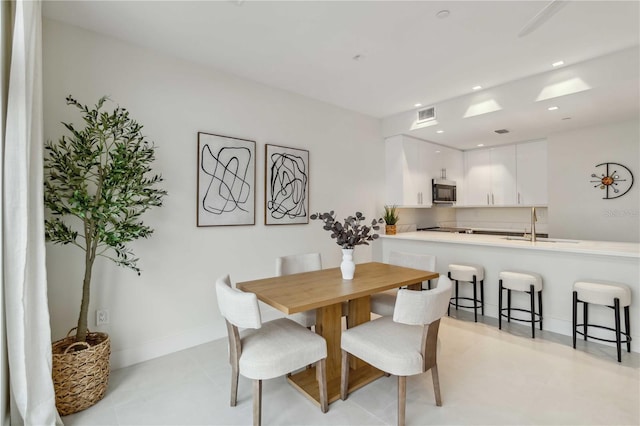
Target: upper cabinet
(490,176)
(410,166)
(512,175)
(531,164)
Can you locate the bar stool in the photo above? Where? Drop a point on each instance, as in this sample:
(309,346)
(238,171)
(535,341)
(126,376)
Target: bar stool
(611,295)
(527,282)
(471,273)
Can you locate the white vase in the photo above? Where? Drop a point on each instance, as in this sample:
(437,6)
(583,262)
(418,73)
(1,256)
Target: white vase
(347,266)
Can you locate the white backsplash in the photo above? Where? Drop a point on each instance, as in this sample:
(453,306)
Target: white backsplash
(514,219)
(510,219)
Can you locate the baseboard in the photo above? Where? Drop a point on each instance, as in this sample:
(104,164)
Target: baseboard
(167,345)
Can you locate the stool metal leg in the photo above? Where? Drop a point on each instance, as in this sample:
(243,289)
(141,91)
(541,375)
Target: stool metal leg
(533,312)
(616,308)
(449,307)
(626,328)
(482,297)
(575,317)
(508,305)
(500,306)
(475,300)
(585,314)
(540,307)
(457,295)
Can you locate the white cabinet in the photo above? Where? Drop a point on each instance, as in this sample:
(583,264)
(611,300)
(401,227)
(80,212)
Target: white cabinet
(407,179)
(531,164)
(490,176)
(410,166)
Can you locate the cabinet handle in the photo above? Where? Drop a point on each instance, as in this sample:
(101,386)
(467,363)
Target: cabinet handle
(492,200)
(488,199)
(518,198)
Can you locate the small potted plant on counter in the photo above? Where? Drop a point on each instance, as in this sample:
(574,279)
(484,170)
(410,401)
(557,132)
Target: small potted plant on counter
(390,219)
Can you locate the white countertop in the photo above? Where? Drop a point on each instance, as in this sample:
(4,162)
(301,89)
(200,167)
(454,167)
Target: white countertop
(605,248)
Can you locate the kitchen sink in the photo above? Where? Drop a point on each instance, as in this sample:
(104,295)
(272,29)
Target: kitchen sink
(542,240)
(518,238)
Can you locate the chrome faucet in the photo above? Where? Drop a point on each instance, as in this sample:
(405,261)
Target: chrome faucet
(534,219)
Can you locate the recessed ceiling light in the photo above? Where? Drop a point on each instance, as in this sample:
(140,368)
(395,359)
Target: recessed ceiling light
(480,144)
(552,108)
(443,14)
(477,87)
(439,131)
(417,105)
(557,64)
(437,152)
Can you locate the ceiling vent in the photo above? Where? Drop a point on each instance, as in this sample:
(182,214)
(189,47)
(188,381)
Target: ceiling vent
(501,131)
(426,114)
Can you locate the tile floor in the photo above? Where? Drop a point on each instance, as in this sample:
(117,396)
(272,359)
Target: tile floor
(487,376)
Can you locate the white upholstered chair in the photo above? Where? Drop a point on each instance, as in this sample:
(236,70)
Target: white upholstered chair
(295,264)
(384,302)
(266,350)
(402,345)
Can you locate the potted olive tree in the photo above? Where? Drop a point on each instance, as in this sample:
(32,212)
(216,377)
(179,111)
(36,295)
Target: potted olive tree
(100,178)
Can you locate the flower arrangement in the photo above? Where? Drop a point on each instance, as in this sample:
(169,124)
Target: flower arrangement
(351,232)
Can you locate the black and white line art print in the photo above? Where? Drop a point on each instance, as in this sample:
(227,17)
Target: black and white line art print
(286,185)
(226,180)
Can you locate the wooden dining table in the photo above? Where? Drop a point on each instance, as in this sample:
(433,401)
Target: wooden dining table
(325,291)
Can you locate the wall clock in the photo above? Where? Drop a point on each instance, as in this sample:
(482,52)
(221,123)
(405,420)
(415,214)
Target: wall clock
(614,179)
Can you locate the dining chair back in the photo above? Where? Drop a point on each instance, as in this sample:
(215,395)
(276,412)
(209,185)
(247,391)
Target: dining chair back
(266,350)
(403,345)
(296,263)
(383,303)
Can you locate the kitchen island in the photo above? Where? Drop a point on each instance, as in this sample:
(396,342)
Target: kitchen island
(560,262)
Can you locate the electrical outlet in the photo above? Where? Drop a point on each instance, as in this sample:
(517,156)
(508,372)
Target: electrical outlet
(102,317)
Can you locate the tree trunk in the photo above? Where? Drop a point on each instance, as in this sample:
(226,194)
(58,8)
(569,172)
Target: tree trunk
(90,257)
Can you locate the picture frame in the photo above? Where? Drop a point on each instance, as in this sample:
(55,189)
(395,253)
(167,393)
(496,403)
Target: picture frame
(286,184)
(226,180)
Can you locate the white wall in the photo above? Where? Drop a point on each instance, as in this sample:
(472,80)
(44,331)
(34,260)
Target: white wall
(172,304)
(577,209)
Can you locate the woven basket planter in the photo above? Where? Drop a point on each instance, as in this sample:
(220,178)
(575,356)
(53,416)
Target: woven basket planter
(390,229)
(80,372)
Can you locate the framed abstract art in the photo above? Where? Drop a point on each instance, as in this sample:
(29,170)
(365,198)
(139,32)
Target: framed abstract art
(286,185)
(226,180)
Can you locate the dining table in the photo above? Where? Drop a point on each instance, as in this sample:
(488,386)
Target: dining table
(325,291)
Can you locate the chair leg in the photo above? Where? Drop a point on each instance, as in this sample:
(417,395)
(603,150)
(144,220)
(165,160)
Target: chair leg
(533,312)
(575,317)
(436,385)
(540,307)
(500,305)
(234,385)
(321,376)
(508,305)
(457,284)
(402,398)
(475,300)
(257,402)
(626,327)
(344,376)
(616,307)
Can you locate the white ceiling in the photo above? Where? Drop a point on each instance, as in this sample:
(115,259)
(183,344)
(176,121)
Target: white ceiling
(407,55)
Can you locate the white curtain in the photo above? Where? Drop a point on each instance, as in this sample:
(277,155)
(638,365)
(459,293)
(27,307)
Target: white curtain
(27,328)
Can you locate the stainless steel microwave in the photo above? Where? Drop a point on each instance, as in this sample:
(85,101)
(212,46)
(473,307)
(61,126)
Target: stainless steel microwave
(444,191)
